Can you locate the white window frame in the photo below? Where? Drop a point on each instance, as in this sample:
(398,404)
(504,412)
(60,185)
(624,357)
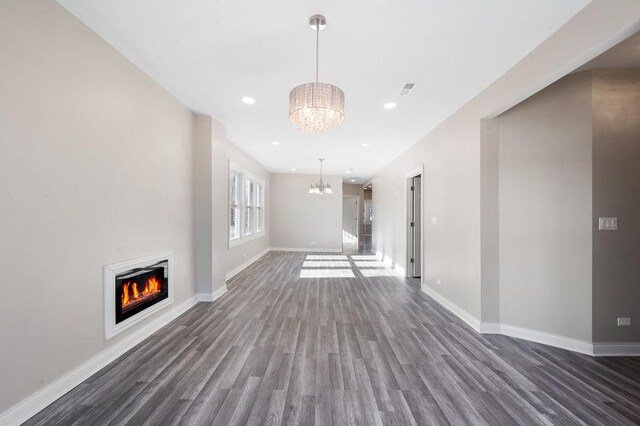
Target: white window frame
(237,206)
(259,215)
(257,230)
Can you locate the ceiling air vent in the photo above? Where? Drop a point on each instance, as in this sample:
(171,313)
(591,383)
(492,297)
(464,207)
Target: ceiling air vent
(407,89)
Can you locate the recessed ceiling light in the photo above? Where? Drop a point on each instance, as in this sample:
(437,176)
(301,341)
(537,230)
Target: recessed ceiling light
(249,101)
(293,170)
(390,105)
(348,171)
(365,145)
(353,180)
(275,143)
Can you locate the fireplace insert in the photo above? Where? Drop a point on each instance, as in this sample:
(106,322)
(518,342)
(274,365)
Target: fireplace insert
(140,288)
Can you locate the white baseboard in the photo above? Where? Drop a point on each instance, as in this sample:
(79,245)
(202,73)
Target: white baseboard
(309,249)
(35,403)
(574,345)
(465,316)
(489,328)
(549,339)
(616,349)
(210,297)
(246,264)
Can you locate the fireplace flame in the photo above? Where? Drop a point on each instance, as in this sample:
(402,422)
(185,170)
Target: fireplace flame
(131,294)
(135,291)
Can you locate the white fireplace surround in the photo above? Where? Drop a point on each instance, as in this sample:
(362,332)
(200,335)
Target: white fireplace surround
(110,272)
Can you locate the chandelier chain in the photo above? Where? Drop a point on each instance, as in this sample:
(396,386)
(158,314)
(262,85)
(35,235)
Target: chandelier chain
(317,47)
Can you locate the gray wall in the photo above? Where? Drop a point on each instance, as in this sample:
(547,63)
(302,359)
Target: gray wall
(230,258)
(452,158)
(545,210)
(489,223)
(203,160)
(616,192)
(303,220)
(96,165)
(351,189)
(450,155)
(214,258)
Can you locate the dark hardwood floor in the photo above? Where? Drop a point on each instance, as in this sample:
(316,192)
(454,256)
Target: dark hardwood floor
(281,349)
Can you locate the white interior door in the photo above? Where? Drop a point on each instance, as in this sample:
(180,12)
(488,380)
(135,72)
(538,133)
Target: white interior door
(350,220)
(416,229)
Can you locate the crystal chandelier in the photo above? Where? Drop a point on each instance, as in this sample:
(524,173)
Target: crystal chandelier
(321,187)
(316,107)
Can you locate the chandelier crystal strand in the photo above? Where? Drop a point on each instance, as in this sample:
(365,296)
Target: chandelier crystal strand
(316,107)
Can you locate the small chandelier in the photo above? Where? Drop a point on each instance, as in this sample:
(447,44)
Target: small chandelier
(321,187)
(316,107)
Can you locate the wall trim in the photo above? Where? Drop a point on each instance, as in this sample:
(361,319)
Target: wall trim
(36,402)
(489,328)
(465,316)
(549,339)
(246,264)
(308,249)
(562,342)
(616,349)
(212,297)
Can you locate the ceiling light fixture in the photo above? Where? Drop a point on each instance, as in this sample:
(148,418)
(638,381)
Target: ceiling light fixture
(293,170)
(321,187)
(275,143)
(365,145)
(316,107)
(390,105)
(249,101)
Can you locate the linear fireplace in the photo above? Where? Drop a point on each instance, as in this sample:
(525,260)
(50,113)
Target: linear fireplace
(140,288)
(136,288)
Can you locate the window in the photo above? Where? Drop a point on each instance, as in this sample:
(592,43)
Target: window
(249,207)
(246,206)
(234,207)
(259,208)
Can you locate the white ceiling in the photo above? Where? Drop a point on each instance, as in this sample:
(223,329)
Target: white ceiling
(211,53)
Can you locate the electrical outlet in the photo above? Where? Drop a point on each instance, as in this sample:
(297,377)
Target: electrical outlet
(624,322)
(438,281)
(434,220)
(607,224)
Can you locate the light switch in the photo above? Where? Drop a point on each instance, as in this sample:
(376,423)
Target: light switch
(434,220)
(607,223)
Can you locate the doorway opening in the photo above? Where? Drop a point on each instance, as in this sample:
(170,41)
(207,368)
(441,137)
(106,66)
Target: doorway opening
(414,225)
(367,219)
(350,223)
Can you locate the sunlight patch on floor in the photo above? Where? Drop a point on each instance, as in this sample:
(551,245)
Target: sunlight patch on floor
(371,273)
(327,273)
(326,257)
(364,257)
(371,264)
(326,264)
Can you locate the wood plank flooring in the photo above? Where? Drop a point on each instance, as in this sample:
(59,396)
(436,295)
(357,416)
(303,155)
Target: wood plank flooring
(371,350)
